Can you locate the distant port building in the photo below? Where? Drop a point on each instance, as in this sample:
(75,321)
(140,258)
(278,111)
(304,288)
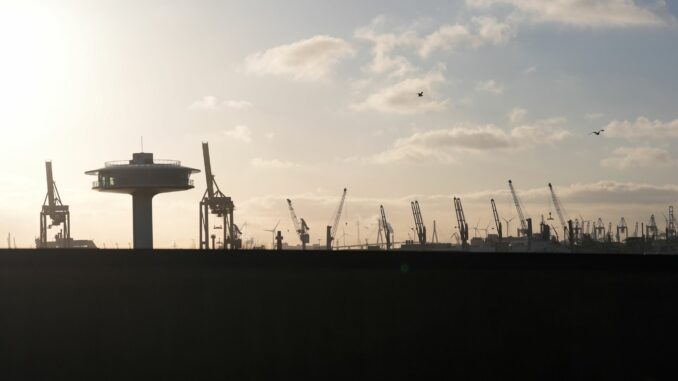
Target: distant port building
(142,177)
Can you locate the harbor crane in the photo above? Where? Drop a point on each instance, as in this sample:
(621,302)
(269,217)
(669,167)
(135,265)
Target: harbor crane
(332,230)
(383,223)
(497,223)
(670,224)
(622,228)
(559,210)
(523,230)
(461,222)
(57,212)
(215,202)
(419,222)
(299,226)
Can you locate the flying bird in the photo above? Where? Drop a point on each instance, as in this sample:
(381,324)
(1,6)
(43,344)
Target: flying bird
(421,94)
(596,132)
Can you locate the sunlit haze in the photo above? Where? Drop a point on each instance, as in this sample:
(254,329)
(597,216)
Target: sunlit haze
(300,99)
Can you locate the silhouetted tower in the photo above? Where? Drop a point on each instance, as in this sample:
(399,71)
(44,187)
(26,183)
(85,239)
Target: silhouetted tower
(143,178)
(419,223)
(332,229)
(57,212)
(434,236)
(215,202)
(461,222)
(559,210)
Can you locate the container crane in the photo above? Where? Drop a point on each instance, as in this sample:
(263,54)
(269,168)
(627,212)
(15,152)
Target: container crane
(461,222)
(523,223)
(622,228)
(215,202)
(497,223)
(559,210)
(299,226)
(57,212)
(419,222)
(387,228)
(332,230)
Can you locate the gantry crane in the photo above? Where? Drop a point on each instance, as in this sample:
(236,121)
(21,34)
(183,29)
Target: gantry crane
(461,222)
(419,223)
(215,202)
(332,230)
(497,223)
(651,228)
(300,227)
(671,224)
(559,211)
(57,212)
(523,223)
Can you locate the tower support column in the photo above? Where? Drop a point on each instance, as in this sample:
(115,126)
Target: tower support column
(142,210)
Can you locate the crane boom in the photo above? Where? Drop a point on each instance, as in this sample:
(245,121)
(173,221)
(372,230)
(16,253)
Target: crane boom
(50,184)
(300,227)
(332,229)
(419,222)
(461,222)
(496,218)
(519,209)
(559,208)
(209,177)
(386,227)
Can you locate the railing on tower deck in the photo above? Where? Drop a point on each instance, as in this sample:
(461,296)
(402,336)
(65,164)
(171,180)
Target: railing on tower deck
(99,184)
(115,163)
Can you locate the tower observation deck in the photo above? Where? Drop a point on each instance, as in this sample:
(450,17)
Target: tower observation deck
(142,177)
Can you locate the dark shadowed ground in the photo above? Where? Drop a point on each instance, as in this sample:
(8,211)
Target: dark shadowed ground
(174,314)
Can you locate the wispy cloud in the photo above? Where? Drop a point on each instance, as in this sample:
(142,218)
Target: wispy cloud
(634,157)
(401,97)
(240,132)
(589,14)
(443,145)
(311,59)
(517,115)
(210,102)
(642,128)
(490,86)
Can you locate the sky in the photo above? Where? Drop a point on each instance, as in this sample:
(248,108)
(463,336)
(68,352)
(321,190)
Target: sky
(299,99)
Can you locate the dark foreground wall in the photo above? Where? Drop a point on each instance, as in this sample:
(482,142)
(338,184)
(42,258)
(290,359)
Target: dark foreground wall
(92,314)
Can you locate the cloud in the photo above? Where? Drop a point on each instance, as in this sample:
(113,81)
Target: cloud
(633,157)
(311,59)
(642,128)
(490,86)
(270,135)
(237,105)
(384,44)
(273,163)
(208,102)
(390,48)
(401,97)
(588,14)
(443,145)
(517,115)
(241,133)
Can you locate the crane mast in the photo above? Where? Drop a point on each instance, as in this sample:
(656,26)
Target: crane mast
(519,209)
(419,222)
(461,222)
(332,230)
(559,209)
(300,227)
(215,202)
(386,227)
(497,222)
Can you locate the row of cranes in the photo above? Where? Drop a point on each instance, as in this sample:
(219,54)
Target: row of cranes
(301,227)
